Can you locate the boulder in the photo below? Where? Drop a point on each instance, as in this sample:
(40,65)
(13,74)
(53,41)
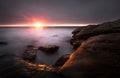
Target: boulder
(49,49)
(61,60)
(98,56)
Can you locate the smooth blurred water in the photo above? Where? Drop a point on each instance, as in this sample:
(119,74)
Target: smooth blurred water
(19,38)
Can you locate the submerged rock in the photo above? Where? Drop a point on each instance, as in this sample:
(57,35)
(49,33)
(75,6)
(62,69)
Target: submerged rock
(61,60)
(98,56)
(3,43)
(49,48)
(30,53)
(30,46)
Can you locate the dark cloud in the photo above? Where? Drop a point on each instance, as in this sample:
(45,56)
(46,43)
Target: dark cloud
(59,11)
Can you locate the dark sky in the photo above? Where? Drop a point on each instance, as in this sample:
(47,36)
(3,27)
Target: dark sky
(59,11)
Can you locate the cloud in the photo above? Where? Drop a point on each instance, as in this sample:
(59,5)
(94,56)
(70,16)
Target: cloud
(60,11)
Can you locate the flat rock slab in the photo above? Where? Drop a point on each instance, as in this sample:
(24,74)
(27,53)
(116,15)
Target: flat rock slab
(49,48)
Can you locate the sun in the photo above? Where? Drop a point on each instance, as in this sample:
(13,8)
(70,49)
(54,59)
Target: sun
(38,25)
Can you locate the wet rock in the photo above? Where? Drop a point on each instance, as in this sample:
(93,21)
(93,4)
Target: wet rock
(61,60)
(98,55)
(30,54)
(40,70)
(10,67)
(30,46)
(13,67)
(49,48)
(3,43)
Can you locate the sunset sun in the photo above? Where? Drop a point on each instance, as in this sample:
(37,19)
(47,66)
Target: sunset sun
(38,25)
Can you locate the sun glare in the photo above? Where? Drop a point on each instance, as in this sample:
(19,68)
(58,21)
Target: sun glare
(38,25)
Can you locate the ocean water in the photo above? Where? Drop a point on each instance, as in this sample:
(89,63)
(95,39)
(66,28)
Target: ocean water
(19,38)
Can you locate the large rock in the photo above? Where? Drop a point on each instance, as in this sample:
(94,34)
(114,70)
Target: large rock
(98,56)
(93,30)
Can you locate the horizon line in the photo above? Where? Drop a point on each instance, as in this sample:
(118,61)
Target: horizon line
(46,25)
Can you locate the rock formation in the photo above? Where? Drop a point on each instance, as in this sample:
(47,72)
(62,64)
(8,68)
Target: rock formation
(97,54)
(49,49)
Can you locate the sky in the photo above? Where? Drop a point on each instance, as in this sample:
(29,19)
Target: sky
(59,11)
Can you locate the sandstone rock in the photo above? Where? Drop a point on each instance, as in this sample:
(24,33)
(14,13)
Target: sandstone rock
(94,30)
(77,30)
(49,48)
(98,55)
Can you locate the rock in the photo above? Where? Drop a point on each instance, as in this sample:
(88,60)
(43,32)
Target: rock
(84,33)
(76,43)
(14,67)
(49,48)
(98,56)
(30,46)
(77,30)
(40,70)
(3,43)
(10,67)
(61,60)
(30,54)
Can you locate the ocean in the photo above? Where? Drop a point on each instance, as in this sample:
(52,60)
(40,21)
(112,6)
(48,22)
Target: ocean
(19,38)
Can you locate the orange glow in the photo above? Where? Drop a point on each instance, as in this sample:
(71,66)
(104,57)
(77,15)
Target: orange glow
(41,24)
(36,22)
(38,25)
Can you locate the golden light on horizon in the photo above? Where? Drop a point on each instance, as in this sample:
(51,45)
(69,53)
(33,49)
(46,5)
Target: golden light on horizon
(38,24)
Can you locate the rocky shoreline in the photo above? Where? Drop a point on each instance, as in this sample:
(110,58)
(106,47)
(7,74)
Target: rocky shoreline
(96,55)
(97,52)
